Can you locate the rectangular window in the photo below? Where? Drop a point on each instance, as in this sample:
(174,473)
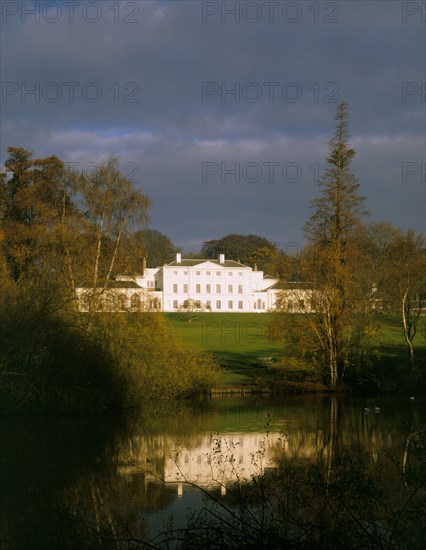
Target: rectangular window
(208,273)
(208,289)
(197,289)
(198,273)
(175,288)
(185,288)
(240,274)
(174,272)
(218,289)
(230,289)
(230,273)
(240,304)
(290,305)
(175,304)
(218,304)
(208,304)
(240,289)
(218,273)
(302,304)
(230,304)
(198,304)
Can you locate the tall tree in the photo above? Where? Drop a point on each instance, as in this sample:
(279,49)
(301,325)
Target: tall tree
(397,268)
(411,286)
(111,206)
(32,200)
(332,236)
(404,283)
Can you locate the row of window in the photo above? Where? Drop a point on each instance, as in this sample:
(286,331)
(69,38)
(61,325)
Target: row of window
(208,304)
(208,273)
(122,302)
(199,458)
(208,289)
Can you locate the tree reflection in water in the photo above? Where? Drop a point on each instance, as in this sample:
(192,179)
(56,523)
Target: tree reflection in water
(292,471)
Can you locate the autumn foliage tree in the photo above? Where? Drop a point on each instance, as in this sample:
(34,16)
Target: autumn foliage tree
(59,230)
(110,207)
(402,280)
(34,193)
(65,225)
(331,254)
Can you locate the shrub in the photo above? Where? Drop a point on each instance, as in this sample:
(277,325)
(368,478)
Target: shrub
(54,359)
(294,369)
(152,362)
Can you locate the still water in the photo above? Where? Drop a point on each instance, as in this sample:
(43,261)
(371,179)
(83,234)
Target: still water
(69,478)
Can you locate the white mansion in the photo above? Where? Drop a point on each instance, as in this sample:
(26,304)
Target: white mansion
(206,285)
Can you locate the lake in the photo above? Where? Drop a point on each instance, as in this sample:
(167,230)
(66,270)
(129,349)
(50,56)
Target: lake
(93,481)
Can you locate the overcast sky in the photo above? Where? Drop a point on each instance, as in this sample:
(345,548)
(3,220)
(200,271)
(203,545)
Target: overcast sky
(221,111)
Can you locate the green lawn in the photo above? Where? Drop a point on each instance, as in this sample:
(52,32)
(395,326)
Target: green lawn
(238,339)
(392,333)
(393,348)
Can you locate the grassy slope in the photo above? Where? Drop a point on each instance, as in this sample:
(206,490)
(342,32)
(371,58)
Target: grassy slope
(394,350)
(238,339)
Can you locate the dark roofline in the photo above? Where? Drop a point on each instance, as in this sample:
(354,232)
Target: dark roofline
(292,285)
(111,285)
(196,261)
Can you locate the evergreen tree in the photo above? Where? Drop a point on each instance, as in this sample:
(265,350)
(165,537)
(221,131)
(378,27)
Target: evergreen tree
(332,251)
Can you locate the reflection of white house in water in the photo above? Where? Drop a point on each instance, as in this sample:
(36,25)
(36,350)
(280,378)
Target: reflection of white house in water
(224,460)
(210,285)
(214,462)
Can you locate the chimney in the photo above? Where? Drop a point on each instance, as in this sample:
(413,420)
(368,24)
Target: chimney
(178,257)
(144,266)
(222,258)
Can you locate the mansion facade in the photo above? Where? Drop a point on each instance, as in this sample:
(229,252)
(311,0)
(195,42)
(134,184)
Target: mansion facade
(198,284)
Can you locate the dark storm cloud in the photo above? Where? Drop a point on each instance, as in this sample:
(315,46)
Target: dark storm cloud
(132,82)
